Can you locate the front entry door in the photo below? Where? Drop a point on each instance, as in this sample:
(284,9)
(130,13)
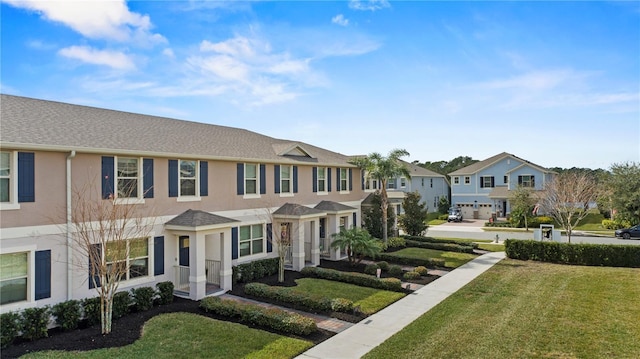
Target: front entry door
(183,251)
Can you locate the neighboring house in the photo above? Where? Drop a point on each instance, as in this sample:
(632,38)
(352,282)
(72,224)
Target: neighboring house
(217,194)
(484,187)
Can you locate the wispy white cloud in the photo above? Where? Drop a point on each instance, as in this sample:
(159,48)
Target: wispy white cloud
(340,20)
(369,5)
(110,20)
(168,52)
(39,45)
(113,59)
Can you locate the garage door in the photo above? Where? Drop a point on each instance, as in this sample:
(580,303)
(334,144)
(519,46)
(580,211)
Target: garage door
(484,211)
(467,210)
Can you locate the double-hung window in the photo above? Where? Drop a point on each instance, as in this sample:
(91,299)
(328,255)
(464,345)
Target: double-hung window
(5,177)
(344,179)
(286,179)
(17,179)
(130,258)
(251,178)
(128,177)
(251,240)
(487,182)
(403,182)
(526,181)
(456,180)
(187,177)
(322,179)
(467,180)
(14,272)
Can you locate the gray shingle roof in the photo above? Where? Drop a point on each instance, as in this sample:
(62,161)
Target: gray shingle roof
(196,218)
(296,210)
(473,168)
(331,206)
(33,123)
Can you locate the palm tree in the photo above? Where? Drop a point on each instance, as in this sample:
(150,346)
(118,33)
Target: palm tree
(357,242)
(381,169)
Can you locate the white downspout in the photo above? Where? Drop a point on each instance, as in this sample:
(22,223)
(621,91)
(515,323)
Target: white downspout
(69,225)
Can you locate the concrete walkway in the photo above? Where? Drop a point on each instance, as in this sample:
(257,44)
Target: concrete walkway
(359,339)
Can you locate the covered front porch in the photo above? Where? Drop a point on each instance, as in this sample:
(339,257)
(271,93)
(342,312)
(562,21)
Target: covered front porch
(297,228)
(339,216)
(203,253)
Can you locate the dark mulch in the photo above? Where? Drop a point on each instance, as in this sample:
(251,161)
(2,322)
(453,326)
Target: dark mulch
(125,331)
(345,266)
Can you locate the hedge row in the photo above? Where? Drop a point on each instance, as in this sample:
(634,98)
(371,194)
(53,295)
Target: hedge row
(311,302)
(361,279)
(430,262)
(253,314)
(247,272)
(435,240)
(32,323)
(440,246)
(578,254)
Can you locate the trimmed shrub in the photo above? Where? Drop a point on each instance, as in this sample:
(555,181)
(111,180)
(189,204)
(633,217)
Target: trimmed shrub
(246,272)
(576,254)
(395,242)
(9,328)
(440,241)
(67,314)
(440,246)
(411,275)
(421,270)
(292,296)
(91,310)
(395,270)
(121,305)
(34,322)
(615,224)
(253,314)
(341,305)
(143,298)
(365,280)
(371,269)
(165,292)
(383,265)
(430,262)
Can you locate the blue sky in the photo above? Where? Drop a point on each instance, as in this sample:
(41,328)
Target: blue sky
(556,83)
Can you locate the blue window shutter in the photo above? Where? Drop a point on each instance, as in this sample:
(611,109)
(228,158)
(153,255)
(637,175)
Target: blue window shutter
(350,179)
(240,178)
(263,179)
(328,180)
(234,243)
(338,172)
(315,179)
(158,255)
(355,219)
(269,237)
(204,178)
(108,174)
(295,179)
(362,179)
(173,178)
(97,250)
(26,177)
(276,178)
(43,274)
(147,177)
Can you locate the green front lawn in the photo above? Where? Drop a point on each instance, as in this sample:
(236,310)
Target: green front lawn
(491,247)
(452,259)
(186,335)
(370,300)
(529,310)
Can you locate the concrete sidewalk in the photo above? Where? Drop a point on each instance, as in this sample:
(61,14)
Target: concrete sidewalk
(372,331)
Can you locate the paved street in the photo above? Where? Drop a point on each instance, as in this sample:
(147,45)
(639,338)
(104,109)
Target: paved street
(473,229)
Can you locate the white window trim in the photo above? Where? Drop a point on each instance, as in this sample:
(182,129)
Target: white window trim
(290,178)
(31,283)
(129,200)
(456,180)
(465,180)
(324,191)
(257,179)
(13,203)
(150,265)
(530,176)
(346,190)
(264,242)
(403,182)
(196,196)
(482,178)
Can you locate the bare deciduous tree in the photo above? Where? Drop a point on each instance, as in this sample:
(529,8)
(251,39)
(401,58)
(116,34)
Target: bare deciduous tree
(283,233)
(108,232)
(567,198)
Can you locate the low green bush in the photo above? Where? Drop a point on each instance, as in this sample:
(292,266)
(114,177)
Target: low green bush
(448,247)
(395,270)
(165,292)
(383,265)
(360,279)
(575,254)
(143,298)
(341,305)
(498,224)
(425,262)
(292,296)
(441,241)
(535,222)
(253,314)
(67,314)
(423,271)
(246,272)
(34,322)
(396,242)
(121,304)
(411,275)
(371,269)
(615,224)
(91,310)
(9,328)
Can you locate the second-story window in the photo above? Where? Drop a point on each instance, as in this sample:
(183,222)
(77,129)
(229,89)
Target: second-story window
(403,182)
(322,179)
(250,178)
(456,180)
(487,182)
(344,179)
(285,179)
(5,176)
(188,175)
(467,180)
(526,181)
(127,177)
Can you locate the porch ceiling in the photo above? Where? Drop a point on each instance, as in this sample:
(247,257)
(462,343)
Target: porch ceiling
(198,220)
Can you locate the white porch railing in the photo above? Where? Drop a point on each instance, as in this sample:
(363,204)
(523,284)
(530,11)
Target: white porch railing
(324,246)
(212,269)
(181,282)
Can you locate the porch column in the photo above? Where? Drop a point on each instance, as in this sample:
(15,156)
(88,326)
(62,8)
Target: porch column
(197,274)
(315,243)
(226,271)
(297,247)
(333,227)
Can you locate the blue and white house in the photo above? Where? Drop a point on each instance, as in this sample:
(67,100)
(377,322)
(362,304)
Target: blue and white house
(484,188)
